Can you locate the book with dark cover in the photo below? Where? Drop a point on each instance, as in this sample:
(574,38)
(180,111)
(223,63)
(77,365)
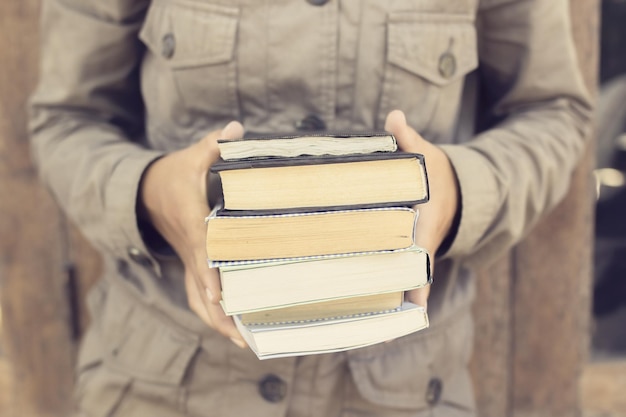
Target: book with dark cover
(308,183)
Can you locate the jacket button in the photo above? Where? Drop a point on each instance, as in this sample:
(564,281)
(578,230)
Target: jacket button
(137,256)
(433,392)
(168,45)
(311,123)
(272,388)
(317,2)
(447,65)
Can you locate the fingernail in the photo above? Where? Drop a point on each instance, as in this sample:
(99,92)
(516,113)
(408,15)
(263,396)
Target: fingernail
(238,342)
(209,294)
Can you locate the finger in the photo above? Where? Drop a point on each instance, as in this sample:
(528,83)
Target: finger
(207,278)
(217,319)
(419,296)
(225,325)
(209,152)
(426,232)
(408,139)
(194,298)
(210,280)
(211,314)
(233,130)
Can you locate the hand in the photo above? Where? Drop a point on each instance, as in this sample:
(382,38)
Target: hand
(174,197)
(437,215)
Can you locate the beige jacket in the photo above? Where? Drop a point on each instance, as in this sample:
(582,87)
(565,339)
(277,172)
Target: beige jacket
(279,65)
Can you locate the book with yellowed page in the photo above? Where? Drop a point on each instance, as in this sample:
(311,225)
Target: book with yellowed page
(233,236)
(333,334)
(339,182)
(326,309)
(255,286)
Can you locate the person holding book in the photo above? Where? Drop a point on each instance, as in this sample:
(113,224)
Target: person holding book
(132,97)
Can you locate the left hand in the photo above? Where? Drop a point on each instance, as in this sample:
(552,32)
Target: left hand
(437,215)
(173,197)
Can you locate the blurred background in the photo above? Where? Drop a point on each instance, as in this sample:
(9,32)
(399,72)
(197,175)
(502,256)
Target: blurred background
(550,316)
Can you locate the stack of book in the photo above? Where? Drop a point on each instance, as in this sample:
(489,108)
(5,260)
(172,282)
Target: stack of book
(314,241)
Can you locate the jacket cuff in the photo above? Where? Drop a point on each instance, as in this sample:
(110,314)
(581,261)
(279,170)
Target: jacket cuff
(121,207)
(479,198)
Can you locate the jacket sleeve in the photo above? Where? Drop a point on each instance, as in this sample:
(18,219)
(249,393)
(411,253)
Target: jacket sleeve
(513,173)
(86,116)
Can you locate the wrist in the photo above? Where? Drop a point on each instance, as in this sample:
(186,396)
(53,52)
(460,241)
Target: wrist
(152,238)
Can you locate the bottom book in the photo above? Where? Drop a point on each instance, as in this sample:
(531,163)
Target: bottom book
(332,335)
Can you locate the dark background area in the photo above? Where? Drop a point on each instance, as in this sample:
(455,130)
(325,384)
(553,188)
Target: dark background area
(609,336)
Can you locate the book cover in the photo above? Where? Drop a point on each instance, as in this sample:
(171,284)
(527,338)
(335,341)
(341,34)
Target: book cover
(326,309)
(274,236)
(253,286)
(332,335)
(310,183)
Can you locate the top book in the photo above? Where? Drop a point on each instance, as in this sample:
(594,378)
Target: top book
(287,146)
(308,172)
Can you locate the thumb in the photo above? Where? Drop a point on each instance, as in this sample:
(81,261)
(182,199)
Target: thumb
(395,122)
(419,296)
(408,139)
(208,145)
(233,130)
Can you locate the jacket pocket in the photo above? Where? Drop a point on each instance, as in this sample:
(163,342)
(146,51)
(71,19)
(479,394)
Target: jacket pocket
(426,371)
(428,55)
(191,46)
(140,343)
(131,358)
(100,391)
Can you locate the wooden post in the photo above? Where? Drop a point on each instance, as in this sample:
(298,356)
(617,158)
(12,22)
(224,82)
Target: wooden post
(533,308)
(32,244)
(552,276)
(491,362)
(38,273)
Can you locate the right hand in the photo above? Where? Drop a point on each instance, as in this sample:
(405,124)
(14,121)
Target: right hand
(173,193)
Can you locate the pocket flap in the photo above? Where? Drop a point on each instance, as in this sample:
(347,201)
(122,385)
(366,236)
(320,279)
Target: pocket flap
(106,391)
(144,345)
(398,374)
(394,374)
(189,33)
(440,48)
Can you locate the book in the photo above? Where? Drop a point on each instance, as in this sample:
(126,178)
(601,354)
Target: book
(332,335)
(311,144)
(251,286)
(294,184)
(239,236)
(326,309)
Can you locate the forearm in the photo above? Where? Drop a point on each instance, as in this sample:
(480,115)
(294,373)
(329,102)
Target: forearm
(514,173)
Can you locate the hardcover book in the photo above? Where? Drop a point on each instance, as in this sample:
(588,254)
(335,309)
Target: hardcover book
(235,236)
(306,183)
(332,335)
(254,286)
(328,309)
